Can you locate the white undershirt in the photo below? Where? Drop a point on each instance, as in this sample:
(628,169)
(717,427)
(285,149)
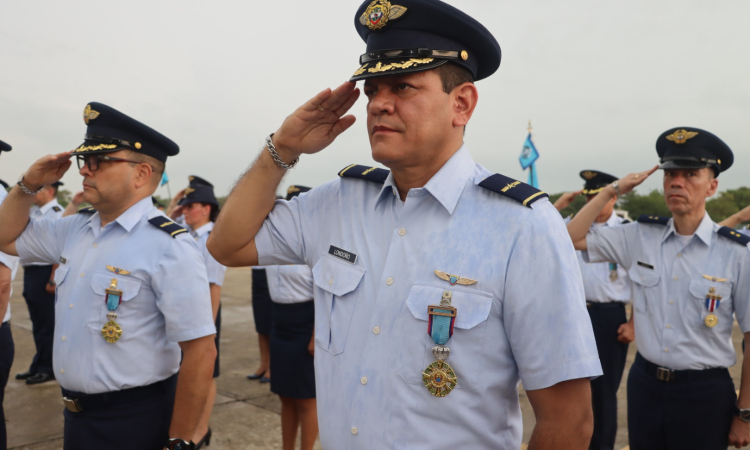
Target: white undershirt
(684,240)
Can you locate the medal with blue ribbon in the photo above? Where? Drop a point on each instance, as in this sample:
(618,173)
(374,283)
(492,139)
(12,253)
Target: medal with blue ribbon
(111,330)
(439,377)
(612,271)
(712,304)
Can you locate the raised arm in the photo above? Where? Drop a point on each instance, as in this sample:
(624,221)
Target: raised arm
(14,212)
(581,223)
(310,129)
(737,218)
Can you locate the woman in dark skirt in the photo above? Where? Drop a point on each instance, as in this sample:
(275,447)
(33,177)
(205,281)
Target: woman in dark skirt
(262,315)
(292,345)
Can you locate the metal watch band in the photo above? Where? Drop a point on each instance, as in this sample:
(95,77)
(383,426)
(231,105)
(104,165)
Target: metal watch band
(275,155)
(616,185)
(26,190)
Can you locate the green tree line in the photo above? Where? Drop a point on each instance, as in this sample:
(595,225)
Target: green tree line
(719,207)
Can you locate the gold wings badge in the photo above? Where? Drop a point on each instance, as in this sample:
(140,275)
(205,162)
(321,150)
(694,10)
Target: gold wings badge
(454,279)
(118,271)
(681,136)
(714,279)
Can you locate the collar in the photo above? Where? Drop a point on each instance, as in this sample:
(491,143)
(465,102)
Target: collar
(705,230)
(203,230)
(47,206)
(613,220)
(446,185)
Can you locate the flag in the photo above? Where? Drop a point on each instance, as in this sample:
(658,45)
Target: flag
(164,179)
(529,155)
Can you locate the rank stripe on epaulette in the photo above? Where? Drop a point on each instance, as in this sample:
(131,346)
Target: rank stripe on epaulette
(341,174)
(167,225)
(521,192)
(645,218)
(87,209)
(733,235)
(361,172)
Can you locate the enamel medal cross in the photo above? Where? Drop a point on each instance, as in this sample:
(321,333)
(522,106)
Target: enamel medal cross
(439,377)
(111,331)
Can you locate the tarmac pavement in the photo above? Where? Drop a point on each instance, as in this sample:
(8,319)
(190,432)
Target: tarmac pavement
(246,415)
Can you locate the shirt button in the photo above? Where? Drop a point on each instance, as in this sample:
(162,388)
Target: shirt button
(402,231)
(63,338)
(671,302)
(82,274)
(389,281)
(62,370)
(669,327)
(71,306)
(355,431)
(666,350)
(95,245)
(376,330)
(363,380)
(330,281)
(675,278)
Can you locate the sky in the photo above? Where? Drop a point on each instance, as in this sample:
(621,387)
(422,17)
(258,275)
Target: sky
(599,80)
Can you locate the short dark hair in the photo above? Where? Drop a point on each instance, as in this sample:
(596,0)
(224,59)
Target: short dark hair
(452,76)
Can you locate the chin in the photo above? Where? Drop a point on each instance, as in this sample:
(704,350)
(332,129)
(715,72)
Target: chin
(385,154)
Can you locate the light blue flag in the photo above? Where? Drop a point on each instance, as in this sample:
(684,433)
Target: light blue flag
(529,154)
(164,179)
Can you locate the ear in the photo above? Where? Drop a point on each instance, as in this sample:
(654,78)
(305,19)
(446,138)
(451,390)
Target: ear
(713,185)
(464,99)
(143,173)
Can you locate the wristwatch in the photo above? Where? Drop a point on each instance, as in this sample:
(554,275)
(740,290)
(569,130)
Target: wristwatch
(179,444)
(743,414)
(52,283)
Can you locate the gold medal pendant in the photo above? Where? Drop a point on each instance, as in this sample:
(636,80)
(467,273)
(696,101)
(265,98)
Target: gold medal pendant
(711,320)
(439,377)
(111,331)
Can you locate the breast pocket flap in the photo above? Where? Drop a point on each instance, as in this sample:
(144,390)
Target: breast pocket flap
(701,288)
(644,276)
(100,282)
(337,277)
(472,308)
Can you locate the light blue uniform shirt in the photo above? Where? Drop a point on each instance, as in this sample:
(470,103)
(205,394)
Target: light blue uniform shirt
(11,262)
(215,270)
(165,297)
(524,319)
(597,285)
(669,290)
(51,210)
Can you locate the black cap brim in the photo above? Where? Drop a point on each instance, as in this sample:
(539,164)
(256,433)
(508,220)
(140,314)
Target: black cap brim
(683,164)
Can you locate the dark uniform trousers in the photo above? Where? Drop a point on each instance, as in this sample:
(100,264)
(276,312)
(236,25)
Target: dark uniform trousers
(130,419)
(42,314)
(694,411)
(606,318)
(7,351)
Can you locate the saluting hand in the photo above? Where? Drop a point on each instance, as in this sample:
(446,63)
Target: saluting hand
(314,125)
(566,199)
(630,181)
(47,170)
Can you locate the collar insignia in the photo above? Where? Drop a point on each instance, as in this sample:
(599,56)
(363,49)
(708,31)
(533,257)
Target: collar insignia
(714,279)
(589,174)
(89,114)
(681,136)
(454,279)
(118,271)
(377,15)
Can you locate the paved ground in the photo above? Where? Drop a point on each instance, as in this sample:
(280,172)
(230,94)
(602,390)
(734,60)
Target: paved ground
(246,415)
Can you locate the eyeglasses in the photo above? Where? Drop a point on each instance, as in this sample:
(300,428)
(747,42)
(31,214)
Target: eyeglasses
(92,161)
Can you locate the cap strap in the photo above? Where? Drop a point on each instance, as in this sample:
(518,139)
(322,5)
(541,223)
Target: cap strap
(408,53)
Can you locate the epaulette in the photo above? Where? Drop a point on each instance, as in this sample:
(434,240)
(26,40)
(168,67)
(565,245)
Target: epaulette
(624,221)
(165,224)
(365,173)
(4,184)
(518,191)
(645,218)
(733,235)
(56,209)
(87,210)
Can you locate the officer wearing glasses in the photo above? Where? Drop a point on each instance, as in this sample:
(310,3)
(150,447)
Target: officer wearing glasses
(132,292)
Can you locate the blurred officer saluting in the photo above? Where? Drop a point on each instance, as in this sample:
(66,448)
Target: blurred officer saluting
(39,293)
(427,307)
(131,291)
(690,277)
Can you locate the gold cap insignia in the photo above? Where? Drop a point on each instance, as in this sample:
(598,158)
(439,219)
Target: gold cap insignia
(681,136)
(377,15)
(292,190)
(118,271)
(89,114)
(589,174)
(189,190)
(191,178)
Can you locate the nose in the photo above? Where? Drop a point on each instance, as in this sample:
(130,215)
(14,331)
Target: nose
(382,102)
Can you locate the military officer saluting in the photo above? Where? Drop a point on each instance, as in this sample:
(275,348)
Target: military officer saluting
(39,293)
(428,306)
(131,291)
(690,277)
(607,289)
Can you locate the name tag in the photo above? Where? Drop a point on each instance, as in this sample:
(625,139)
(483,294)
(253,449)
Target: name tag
(643,264)
(343,254)
(63,260)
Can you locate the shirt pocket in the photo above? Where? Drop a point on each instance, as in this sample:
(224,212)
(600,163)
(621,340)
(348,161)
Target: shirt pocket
(467,344)
(699,290)
(646,283)
(334,309)
(100,282)
(60,274)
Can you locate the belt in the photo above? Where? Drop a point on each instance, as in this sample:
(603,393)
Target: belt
(77,402)
(609,305)
(677,376)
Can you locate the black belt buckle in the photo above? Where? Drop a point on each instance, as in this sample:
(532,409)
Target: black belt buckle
(663,374)
(72,404)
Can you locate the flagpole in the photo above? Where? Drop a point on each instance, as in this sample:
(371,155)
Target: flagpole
(169,191)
